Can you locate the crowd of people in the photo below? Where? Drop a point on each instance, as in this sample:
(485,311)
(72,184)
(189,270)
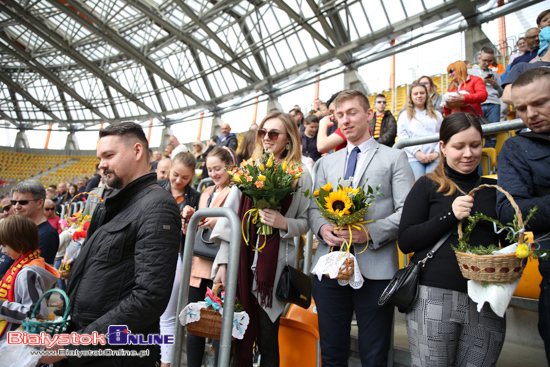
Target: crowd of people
(127,270)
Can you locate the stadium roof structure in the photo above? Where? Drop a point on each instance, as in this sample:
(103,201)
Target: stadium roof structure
(78,63)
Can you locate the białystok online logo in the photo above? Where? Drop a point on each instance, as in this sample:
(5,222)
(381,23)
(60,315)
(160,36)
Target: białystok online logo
(116,335)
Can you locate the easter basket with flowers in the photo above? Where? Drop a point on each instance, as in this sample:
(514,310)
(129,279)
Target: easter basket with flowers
(488,264)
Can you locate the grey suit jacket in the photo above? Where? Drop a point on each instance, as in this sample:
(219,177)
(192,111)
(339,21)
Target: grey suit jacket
(382,165)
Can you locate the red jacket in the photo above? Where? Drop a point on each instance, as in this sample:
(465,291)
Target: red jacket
(477,94)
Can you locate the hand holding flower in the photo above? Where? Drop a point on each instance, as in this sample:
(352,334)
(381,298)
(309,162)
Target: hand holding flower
(273,218)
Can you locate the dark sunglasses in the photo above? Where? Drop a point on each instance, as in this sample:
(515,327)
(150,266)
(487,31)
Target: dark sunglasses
(272,135)
(451,71)
(48,209)
(21,202)
(6,208)
(382,102)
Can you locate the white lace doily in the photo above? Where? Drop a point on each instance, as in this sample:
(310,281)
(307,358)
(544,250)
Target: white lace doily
(192,313)
(330,264)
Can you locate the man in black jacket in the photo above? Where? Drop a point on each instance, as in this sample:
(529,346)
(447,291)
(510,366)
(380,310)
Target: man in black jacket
(125,270)
(383,126)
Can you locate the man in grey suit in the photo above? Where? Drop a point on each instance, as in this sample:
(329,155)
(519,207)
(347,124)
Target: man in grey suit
(363,159)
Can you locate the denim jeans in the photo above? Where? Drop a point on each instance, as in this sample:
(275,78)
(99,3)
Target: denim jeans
(491,112)
(420,169)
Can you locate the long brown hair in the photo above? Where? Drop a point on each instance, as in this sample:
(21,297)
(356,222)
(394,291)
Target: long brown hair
(428,105)
(294,154)
(451,125)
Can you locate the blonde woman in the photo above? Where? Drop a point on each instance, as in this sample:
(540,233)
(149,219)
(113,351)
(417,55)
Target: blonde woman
(420,119)
(260,271)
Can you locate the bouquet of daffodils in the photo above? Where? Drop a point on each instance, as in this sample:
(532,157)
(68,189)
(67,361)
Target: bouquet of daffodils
(267,183)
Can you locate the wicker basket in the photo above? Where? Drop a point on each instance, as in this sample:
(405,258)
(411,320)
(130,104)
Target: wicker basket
(210,323)
(64,271)
(492,268)
(346,269)
(34,326)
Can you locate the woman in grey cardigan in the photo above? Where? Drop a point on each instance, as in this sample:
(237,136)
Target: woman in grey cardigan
(277,134)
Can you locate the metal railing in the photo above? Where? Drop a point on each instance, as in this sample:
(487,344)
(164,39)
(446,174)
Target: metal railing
(230,287)
(495,127)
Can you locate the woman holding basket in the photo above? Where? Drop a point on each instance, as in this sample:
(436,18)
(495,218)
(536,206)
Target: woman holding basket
(259,271)
(443,326)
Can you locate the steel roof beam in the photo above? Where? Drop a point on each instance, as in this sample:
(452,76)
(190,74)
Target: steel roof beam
(156,90)
(40,69)
(13,85)
(111,100)
(203,75)
(191,14)
(112,37)
(16,106)
(40,29)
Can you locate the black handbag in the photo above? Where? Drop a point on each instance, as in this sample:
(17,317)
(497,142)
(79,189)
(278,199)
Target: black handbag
(482,119)
(294,286)
(402,290)
(203,246)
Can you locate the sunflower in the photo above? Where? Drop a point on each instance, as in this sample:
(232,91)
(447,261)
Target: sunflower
(350,190)
(338,203)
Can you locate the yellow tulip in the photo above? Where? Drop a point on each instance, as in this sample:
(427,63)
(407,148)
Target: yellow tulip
(297,175)
(316,193)
(284,165)
(327,187)
(237,178)
(522,251)
(262,168)
(261,178)
(270,162)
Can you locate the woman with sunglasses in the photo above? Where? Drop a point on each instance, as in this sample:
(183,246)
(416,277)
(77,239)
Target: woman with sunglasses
(51,215)
(420,119)
(260,271)
(465,91)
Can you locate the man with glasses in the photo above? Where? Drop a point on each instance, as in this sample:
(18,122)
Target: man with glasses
(533,42)
(383,125)
(27,198)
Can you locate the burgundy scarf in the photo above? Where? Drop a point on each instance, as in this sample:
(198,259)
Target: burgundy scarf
(266,268)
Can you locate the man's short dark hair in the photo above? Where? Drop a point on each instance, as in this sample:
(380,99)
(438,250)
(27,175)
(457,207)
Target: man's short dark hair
(542,15)
(380,95)
(215,138)
(295,110)
(126,128)
(487,50)
(332,98)
(33,186)
(311,119)
(531,76)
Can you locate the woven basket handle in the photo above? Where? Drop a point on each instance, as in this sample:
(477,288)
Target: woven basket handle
(510,199)
(62,292)
(216,290)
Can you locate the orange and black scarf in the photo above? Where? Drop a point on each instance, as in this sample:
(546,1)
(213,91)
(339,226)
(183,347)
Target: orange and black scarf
(8,282)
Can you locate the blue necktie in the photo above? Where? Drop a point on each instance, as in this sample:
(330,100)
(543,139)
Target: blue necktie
(352,162)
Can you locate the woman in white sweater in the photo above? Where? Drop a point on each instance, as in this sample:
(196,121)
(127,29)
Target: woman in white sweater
(420,119)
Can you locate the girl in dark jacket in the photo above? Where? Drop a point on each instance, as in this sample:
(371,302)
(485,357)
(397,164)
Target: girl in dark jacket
(179,185)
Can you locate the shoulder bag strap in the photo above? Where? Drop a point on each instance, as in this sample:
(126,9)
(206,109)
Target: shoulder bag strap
(430,254)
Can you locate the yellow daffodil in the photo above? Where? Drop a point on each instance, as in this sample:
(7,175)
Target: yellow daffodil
(270,161)
(522,251)
(284,165)
(327,187)
(261,178)
(338,203)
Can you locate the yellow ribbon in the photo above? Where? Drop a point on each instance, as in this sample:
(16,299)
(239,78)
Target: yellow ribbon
(254,216)
(359,226)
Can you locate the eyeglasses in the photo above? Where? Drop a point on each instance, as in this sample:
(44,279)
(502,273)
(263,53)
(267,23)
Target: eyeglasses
(21,202)
(532,37)
(451,71)
(6,208)
(272,135)
(48,209)
(382,102)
